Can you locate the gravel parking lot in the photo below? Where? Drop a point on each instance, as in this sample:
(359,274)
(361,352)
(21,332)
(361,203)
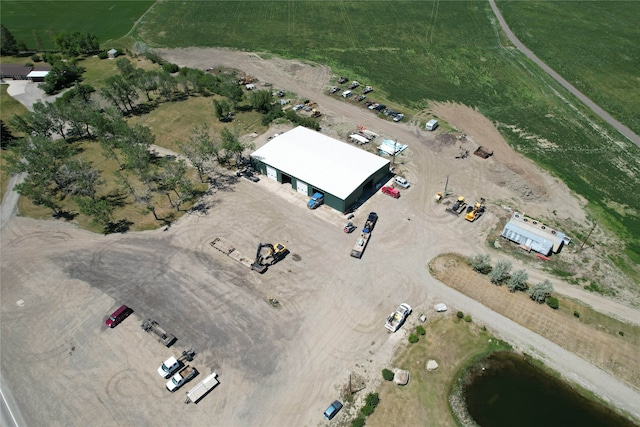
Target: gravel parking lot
(276,366)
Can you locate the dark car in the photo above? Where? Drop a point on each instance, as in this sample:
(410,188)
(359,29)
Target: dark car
(332,410)
(349,228)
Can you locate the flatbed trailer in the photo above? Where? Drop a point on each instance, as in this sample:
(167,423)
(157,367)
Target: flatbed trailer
(229,250)
(152,327)
(364,236)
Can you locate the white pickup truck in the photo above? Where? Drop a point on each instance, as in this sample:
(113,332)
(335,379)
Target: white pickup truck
(182,377)
(168,367)
(397,318)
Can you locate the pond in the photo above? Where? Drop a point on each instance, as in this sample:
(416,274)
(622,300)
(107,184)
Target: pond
(506,390)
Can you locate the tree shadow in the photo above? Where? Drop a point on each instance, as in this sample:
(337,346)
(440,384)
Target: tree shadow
(120,226)
(66,215)
(144,108)
(116,198)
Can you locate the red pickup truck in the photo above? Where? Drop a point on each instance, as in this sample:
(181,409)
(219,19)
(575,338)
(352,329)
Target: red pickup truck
(391,192)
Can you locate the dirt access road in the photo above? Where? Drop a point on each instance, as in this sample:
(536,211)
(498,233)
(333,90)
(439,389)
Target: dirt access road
(277,366)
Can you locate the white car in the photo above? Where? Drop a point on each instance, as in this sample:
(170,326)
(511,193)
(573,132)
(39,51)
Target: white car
(401,182)
(298,107)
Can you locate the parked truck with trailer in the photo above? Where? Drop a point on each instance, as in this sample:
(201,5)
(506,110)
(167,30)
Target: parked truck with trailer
(202,388)
(365,234)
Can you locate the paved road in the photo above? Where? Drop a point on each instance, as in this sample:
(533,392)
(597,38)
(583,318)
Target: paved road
(628,133)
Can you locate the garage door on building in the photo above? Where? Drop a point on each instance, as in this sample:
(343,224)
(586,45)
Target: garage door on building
(302,187)
(271,173)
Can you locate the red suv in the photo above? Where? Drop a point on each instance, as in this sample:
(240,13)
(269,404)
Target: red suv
(118,316)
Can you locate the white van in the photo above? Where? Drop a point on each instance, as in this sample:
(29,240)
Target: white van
(432,124)
(347,93)
(401,182)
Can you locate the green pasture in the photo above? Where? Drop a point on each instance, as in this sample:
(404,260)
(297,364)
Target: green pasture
(593,44)
(36,22)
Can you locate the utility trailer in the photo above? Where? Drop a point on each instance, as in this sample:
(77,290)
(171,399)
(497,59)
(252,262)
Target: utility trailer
(202,388)
(227,249)
(152,327)
(363,237)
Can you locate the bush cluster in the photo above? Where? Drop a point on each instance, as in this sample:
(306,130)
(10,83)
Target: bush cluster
(413,338)
(387,374)
(420,330)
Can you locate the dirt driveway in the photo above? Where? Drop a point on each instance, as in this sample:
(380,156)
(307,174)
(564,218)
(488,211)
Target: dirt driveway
(277,366)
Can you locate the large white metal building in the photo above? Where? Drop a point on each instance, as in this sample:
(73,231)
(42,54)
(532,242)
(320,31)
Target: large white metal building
(312,162)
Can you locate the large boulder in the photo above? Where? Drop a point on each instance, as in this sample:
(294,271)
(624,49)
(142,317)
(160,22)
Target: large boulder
(432,365)
(401,377)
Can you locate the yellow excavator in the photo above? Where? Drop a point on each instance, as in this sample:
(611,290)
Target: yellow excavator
(275,253)
(474,212)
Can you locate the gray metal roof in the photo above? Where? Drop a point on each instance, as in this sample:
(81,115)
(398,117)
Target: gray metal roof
(514,232)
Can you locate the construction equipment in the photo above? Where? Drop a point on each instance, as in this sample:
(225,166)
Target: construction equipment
(316,113)
(275,254)
(475,212)
(458,207)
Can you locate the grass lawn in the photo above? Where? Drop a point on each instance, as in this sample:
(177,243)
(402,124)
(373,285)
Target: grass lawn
(171,122)
(36,22)
(135,213)
(98,70)
(452,343)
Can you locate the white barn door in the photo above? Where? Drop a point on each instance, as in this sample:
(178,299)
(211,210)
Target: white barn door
(271,173)
(302,187)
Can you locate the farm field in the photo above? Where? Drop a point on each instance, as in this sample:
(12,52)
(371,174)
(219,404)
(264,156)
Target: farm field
(35,22)
(433,58)
(576,39)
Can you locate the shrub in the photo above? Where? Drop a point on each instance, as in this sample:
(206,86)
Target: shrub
(103,54)
(372,399)
(553,302)
(576,314)
(500,272)
(621,333)
(387,374)
(481,263)
(467,318)
(420,330)
(459,315)
(358,422)
(36,58)
(541,291)
(367,410)
(28,64)
(413,338)
(518,281)
(170,68)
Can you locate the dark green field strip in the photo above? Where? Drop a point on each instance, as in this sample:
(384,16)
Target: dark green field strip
(36,22)
(593,44)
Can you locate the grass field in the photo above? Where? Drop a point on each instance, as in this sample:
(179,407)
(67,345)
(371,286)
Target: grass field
(452,343)
(601,40)
(35,22)
(442,51)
